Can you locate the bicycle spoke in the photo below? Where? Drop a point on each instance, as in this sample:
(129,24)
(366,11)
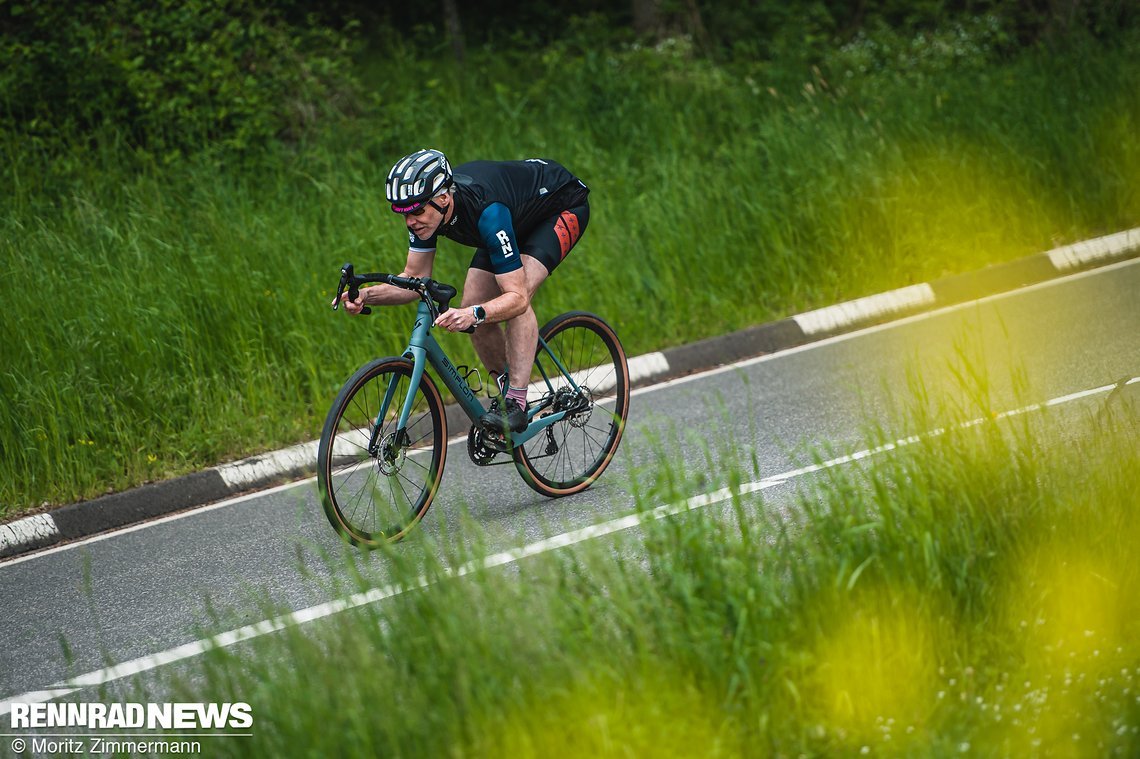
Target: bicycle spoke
(583,374)
(357,501)
(370,497)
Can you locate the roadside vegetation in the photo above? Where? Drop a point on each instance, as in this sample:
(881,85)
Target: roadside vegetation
(180,192)
(975,592)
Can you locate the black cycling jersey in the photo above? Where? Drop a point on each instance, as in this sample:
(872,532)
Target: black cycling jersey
(498,203)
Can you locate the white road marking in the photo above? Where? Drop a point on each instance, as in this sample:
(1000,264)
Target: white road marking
(259,468)
(647,365)
(321,611)
(27,529)
(862,309)
(1088,251)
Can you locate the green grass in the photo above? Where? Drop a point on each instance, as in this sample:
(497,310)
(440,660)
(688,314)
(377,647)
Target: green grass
(977,591)
(163,320)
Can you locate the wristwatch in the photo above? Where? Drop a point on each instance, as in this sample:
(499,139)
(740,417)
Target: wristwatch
(480,314)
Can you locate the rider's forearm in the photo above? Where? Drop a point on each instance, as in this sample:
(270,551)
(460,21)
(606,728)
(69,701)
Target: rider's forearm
(506,307)
(386,295)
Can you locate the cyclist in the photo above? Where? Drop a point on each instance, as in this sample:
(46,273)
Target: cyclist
(523,218)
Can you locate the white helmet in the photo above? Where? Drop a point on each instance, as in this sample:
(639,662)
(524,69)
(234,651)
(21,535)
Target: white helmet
(416,179)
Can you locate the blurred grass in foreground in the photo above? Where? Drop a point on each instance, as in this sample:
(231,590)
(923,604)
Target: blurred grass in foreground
(978,591)
(165,318)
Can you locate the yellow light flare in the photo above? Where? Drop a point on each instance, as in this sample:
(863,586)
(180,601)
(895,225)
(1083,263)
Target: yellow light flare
(949,207)
(659,715)
(877,665)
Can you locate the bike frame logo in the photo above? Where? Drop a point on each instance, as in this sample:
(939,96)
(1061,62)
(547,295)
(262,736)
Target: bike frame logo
(460,382)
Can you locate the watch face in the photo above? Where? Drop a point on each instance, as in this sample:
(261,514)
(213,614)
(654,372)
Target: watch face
(480,313)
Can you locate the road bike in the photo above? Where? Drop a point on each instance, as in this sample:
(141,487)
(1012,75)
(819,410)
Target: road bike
(384,442)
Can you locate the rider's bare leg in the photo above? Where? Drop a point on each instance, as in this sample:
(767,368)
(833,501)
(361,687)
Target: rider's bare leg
(490,340)
(497,348)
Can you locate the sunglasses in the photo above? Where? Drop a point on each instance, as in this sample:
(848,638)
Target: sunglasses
(416,210)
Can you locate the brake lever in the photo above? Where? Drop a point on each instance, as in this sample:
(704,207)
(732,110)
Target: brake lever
(348,278)
(353,294)
(436,289)
(345,276)
(445,307)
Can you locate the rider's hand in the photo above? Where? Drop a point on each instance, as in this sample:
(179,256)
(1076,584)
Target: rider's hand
(456,319)
(352,306)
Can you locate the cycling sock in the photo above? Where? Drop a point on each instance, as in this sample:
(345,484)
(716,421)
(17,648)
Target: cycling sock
(518,393)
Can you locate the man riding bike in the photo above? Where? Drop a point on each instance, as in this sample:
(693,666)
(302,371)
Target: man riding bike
(523,218)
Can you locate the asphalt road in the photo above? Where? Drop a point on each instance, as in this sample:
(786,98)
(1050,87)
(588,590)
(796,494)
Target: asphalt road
(71,611)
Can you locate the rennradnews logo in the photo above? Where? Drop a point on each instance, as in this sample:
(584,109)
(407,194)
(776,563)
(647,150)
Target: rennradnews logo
(174,716)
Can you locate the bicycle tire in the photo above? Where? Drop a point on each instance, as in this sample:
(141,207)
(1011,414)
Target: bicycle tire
(585,442)
(377,496)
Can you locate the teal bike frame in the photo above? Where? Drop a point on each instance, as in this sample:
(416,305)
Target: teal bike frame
(423,350)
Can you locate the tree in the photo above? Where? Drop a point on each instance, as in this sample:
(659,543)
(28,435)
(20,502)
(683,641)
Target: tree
(647,18)
(454,29)
(651,19)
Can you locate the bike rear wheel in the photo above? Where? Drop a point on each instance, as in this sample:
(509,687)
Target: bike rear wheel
(571,454)
(376,481)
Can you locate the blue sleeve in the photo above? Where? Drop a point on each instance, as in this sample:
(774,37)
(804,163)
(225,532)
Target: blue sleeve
(498,233)
(421,246)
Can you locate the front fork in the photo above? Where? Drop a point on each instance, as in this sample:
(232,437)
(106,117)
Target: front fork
(401,438)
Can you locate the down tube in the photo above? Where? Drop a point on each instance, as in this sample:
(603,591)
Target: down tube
(455,381)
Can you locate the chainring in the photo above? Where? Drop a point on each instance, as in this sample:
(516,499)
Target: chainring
(477,446)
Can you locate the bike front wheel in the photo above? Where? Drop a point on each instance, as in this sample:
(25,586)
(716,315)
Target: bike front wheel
(376,479)
(582,371)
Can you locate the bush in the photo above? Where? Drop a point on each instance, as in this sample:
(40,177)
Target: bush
(967,45)
(170,76)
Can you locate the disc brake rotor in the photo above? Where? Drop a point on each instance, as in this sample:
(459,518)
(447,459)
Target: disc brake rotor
(392,454)
(578,405)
